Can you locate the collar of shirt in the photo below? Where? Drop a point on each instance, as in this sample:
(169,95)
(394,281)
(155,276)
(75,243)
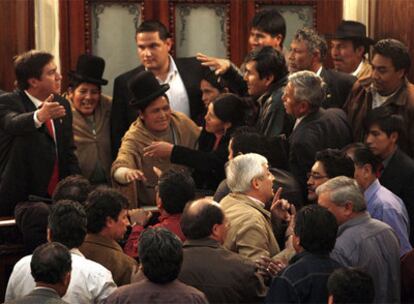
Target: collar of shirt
(378,99)
(298,120)
(370,191)
(386,161)
(319,71)
(256,200)
(36,102)
(358,69)
(358,220)
(76,251)
(172,71)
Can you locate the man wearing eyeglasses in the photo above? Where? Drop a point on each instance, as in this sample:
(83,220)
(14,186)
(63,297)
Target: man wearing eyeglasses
(329,163)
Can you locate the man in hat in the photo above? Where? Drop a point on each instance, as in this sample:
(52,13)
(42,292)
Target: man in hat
(182,74)
(91,118)
(307,52)
(348,48)
(387,87)
(156,122)
(36,139)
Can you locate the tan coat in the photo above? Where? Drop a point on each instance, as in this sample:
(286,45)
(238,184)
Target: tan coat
(108,253)
(92,147)
(250,233)
(131,155)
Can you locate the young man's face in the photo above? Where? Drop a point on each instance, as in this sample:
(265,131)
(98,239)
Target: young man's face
(256,86)
(386,78)
(258,38)
(380,143)
(345,58)
(299,58)
(153,51)
(49,82)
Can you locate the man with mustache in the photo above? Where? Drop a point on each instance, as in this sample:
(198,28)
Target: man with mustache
(386,87)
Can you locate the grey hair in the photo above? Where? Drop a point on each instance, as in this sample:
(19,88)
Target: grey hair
(313,40)
(343,189)
(308,86)
(241,170)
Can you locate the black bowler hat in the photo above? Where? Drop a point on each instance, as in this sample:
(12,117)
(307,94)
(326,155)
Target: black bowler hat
(89,68)
(352,30)
(145,88)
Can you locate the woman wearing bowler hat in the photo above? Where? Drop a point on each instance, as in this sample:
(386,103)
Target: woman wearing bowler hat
(156,122)
(91,112)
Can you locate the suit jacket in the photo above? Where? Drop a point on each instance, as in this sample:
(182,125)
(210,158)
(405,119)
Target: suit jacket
(27,153)
(338,87)
(40,295)
(319,130)
(398,177)
(122,115)
(109,254)
(223,276)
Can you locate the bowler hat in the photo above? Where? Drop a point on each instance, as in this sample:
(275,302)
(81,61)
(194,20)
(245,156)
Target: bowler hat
(89,68)
(352,30)
(145,88)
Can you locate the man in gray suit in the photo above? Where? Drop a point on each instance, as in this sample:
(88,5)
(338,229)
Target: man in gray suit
(51,268)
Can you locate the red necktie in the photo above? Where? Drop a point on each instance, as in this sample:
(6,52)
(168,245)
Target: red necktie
(54,179)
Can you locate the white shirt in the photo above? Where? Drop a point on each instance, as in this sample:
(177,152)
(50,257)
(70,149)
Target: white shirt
(378,100)
(355,73)
(177,94)
(90,282)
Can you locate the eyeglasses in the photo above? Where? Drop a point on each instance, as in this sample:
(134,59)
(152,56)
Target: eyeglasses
(315,175)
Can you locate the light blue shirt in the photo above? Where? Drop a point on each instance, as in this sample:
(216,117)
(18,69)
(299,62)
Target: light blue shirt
(387,207)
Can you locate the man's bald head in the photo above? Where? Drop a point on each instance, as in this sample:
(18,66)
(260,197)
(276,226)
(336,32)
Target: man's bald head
(199,218)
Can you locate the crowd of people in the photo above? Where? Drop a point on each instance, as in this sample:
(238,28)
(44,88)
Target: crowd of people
(281,181)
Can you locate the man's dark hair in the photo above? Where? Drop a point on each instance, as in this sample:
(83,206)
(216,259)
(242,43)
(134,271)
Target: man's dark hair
(363,155)
(102,203)
(175,190)
(30,65)
(198,224)
(317,228)
(154,26)
(161,255)
(270,21)
(396,51)
(67,223)
(268,62)
(351,285)
(249,141)
(359,42)
(386,120)
(50,263)
(72,187)
(336,163)
(211,78)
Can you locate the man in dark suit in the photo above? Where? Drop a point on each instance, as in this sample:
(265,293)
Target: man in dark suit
(182,74)
(51,267)
(36,139)
(307,51)
(315,128)
(384,130)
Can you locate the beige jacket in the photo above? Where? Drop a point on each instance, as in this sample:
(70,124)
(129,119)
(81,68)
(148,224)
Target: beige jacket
(131,155)
(92,147)
(250,233)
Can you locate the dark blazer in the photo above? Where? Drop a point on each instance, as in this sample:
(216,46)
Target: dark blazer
(338,87)
(398,177)
(208,165)
(122,115)
(319,130)
(27,153)
(222,275)
(44,296)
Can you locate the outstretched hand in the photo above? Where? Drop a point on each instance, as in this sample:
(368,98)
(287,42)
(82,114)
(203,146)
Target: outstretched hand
(218,64)
(158,149)
(50,109)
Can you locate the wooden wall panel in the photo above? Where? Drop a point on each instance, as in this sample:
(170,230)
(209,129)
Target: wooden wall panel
(16,36)
(393,19)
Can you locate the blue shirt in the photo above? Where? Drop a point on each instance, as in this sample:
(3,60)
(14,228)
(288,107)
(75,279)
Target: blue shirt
(385,206)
